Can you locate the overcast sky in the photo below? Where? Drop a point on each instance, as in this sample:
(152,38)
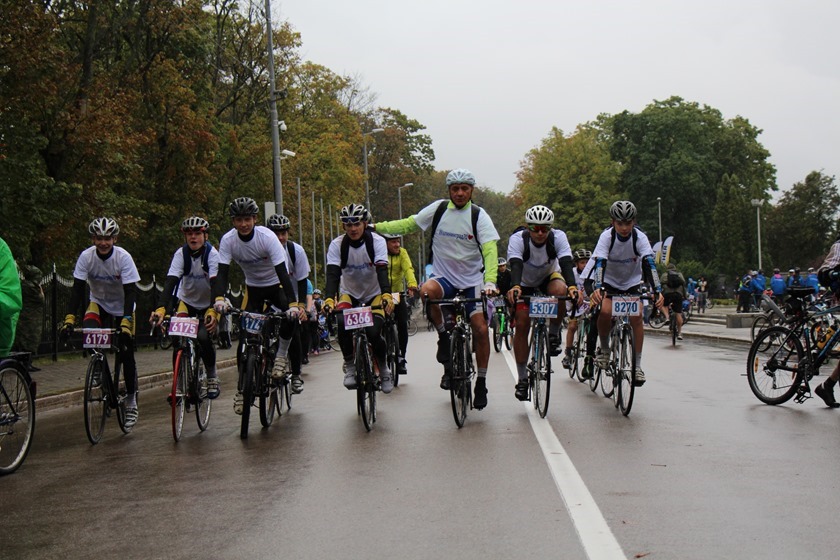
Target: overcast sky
(489,79)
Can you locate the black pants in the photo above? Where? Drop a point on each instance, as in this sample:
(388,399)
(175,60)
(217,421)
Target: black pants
(401,318)
(129,366)
(257,298)
(208,349)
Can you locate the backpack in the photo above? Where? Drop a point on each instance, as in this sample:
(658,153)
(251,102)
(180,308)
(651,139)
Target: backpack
(436,220)
(673,280)
(635,236)
(367,236)
(550,249)
(185,250)
(291,250)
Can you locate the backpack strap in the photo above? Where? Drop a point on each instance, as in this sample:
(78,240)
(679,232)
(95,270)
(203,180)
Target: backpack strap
(475,212)
(634,234)
(205,258)
(367,236)
(550,249)
(291,251)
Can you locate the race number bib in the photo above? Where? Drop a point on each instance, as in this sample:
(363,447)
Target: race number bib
(253,322)
(358,318)
(183,326)
(96,338)
(626,307)
(543,307)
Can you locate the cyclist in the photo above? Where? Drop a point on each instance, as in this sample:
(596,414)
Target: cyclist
(317,304)
(540,260)
(828,276)
(263,260)
(11,299)
(777,286)
(297,264)
(401,276)
(112,275)
(463,256)
(502,285)
(357,276)
(193,271)
(581,257)
(674,291)
(623,258)
(812,280)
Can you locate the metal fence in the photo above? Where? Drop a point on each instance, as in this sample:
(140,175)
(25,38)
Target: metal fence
(57,290)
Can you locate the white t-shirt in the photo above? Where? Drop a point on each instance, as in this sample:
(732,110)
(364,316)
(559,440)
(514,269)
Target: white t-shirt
(107,277)
(456,254)
(256,257)
(299,269)
(194,288)
(538,266)
(623,268)
(359,279)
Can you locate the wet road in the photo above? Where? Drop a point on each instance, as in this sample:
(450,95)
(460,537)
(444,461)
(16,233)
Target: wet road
(700,469)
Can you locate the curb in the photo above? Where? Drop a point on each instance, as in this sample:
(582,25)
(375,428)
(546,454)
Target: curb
(76,398)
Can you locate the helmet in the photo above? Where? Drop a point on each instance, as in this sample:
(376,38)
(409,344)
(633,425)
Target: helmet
(623,211)
(502,261)
(390,235)
(195,222)
(353,213)
(105,227)
(582,254)
(279,222)
(316,291)
(460,176)
(539,215)
(244,206)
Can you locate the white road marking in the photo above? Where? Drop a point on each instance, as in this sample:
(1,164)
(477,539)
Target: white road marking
(594,533)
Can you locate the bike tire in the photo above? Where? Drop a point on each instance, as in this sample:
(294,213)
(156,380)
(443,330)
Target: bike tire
(596,375)
(198,392)
(96,399)
(165,342)
(497,334)
(17,410)
(412,327)
(393,352)
(656,320)
(607,380)
(178,396)
(267,391)
(578,351)
(248,375)
(627,370)
(509,330)
(365,395)
(459,387)
(774,365)
(759,325)
(542,373)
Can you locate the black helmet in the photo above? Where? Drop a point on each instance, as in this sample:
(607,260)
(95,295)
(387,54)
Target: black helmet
(244,206)
(279,222)
(623,211)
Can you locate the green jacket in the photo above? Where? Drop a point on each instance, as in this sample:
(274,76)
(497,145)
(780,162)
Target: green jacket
(11,300)
(401,271)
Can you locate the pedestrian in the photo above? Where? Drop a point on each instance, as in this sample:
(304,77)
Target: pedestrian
(31,322)
(744,291)
(702,294)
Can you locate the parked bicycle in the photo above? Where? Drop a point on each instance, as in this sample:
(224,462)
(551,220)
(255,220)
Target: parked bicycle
(189,379)
(462,370)
(783,358)
(255,383)
(17,412)
(104,391)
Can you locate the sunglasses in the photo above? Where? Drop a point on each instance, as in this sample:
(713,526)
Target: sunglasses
(350,220)
(539,229)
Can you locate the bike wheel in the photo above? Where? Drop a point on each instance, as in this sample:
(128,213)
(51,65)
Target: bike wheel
(122,395)
(96,399)
(710,303)
(657,319)
(365,390)
(759,325)
(672,326)
(509,330)
(248,374)
(459,385)
(607,385)
(178,396)
(412,327)
(578,349)
(627,370)
(267,391)
(542,373)
(198,393)
(17,419)
(393,352)
(595,377)
(497,334)
(776,365)
(165,342)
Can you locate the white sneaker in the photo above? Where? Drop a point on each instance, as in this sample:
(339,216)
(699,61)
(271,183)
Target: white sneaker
(349,375)
(279,369)
(238,403)
(387,382)
(640,377)
(602,359)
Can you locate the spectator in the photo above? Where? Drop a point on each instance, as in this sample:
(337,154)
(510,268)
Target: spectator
(744,291)
(810,280)
(702,294)
(31,322)
(794,279)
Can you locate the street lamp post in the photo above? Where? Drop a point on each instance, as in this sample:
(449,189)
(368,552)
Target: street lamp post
(757,203)
(367,185)
(278,187)
(399,195)
(659,207)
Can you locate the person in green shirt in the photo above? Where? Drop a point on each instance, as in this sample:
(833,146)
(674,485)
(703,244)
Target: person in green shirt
(11,299)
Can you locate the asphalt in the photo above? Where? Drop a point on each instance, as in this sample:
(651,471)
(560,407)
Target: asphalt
(61,383)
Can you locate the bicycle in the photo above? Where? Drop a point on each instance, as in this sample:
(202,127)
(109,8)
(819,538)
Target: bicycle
(104,391)
(17,412)
(367,383)
(392,343)
(581,363)
(255,382)
(461,370)
(189,380)
(540,308)
(618,380)
(771,316)
(502,327)
(164,341)
(784,358)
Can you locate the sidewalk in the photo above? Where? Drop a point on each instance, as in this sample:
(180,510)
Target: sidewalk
(62,383)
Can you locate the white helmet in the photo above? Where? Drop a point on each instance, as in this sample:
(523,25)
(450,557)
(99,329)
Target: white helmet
(623,211)
(104,227)
(539,215)
(460,176)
